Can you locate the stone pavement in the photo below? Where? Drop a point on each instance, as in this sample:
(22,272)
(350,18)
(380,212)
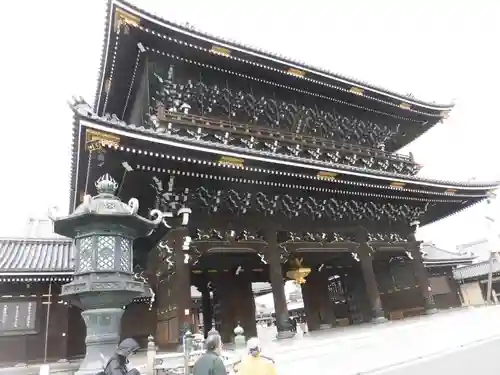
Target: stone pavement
(479,358)
(378,347)
(360,349)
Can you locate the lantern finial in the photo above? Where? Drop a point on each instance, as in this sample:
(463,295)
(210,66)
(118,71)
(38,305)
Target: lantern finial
(106,185)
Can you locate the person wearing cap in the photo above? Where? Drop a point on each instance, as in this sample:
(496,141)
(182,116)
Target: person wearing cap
(210,363)
(117,364)
(255,363)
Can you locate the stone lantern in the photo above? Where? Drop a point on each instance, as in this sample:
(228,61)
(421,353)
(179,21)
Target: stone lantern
(103,229)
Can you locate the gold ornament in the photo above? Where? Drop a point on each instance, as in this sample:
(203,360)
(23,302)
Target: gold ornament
(299,274)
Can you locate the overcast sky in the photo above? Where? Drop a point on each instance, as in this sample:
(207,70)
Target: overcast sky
(439,50)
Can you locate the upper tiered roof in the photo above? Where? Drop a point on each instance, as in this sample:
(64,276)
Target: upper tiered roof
(131,33)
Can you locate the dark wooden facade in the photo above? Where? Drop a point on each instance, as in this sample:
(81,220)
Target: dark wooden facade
(25,301)
(282,166)
(25,304)
(28,303)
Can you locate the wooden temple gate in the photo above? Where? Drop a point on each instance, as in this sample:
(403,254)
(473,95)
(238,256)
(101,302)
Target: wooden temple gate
(282,166)
(225,248)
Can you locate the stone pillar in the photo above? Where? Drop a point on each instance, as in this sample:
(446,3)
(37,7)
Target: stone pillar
(366,260)
(423,279)
(182,282)
(103,334)
(277,286)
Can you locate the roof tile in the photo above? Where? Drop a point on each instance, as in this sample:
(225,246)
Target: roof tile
(476,270)
(36,255)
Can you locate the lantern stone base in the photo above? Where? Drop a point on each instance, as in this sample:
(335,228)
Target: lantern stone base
(103,335)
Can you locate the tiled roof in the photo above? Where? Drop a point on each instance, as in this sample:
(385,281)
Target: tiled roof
(434,254)
(477,270)
(26,255)
(481,248)
(198,34)
(35,256)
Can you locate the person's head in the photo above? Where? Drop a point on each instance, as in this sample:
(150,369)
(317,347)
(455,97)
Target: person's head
(127,347)
(253,347)
(214,344)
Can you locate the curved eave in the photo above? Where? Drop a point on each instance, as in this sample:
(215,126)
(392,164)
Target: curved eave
(255,53)
(143,134)
(448,262)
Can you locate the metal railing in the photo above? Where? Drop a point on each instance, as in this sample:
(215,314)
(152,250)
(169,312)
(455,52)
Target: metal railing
(183,362)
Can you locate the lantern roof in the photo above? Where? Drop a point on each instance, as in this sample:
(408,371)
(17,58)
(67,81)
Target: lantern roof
(106,209)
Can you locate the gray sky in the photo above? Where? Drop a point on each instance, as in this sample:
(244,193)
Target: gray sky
(435,49)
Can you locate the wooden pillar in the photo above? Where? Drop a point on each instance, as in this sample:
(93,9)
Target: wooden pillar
(60,320)
(182,292)
(310,306)
(166,320)
(422,278)
(325,304)
(366,260)
(174,295)
(236,304)
(207,310)
(358,303)
(243,303)
(224,289)
(277,285)
(318,305)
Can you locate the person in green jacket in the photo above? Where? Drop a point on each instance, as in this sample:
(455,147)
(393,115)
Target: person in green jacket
(210,363)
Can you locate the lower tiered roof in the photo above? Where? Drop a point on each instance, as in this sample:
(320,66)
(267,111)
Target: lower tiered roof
(435,257)
(157,149)
(477,271)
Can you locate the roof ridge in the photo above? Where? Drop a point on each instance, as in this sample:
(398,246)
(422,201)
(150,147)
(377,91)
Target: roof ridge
(481,263)
(446,251)
(36,239)
(472,243)
(195,32)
